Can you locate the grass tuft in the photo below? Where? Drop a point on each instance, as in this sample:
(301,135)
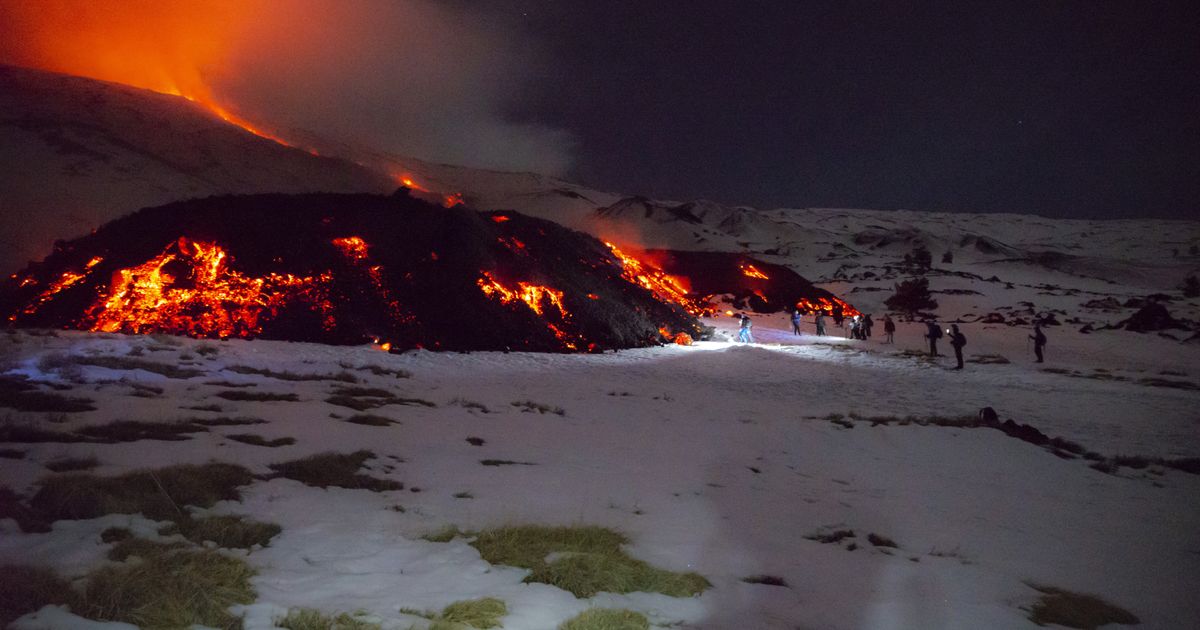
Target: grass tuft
(73,464)
(233,394)
(528,406)
(24,589)
(370,420)
(344,377)
(258,440)
(140,548)
(227,422)
(606,619)
(334,469)
(135,430)
(130,363)
(881,541)
(444,535)
(768,580)
(475,613)
(157,494)
(309,619)
(231,532)
(170,589)
(23,396)
(1075,610)
(587,560)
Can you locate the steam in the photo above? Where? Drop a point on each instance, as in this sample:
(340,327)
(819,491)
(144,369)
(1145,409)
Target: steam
(427,78)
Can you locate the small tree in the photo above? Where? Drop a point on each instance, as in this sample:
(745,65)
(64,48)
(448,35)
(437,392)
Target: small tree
(912,296)
(919,260)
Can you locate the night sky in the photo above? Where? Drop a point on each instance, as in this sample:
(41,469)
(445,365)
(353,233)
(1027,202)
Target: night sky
(1065,109)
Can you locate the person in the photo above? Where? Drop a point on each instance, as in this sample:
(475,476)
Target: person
(744,330)
(1039,341)
(957,340)
(933,333)
(820,321)
(855,329)
(889,328)
(796,321)
(867,325)
(837,316)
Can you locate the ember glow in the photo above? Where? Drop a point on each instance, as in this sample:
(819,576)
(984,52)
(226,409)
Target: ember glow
(190,289)
(453,199)
(352,246)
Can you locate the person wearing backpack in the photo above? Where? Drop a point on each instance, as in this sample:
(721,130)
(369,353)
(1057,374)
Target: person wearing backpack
(933,333)
(889,329)
(957,340)
(1039,341)
(819,320)
(744,330)
(796,319)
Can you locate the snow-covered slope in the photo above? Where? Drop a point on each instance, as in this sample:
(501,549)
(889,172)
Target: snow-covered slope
(724,459)
(77,153)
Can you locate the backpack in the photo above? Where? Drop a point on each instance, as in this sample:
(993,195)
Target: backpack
(959,340)
(937,332)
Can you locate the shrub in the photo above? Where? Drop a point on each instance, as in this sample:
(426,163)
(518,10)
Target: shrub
(23,396)
(881,541)
(529,406)
(912,296)
(606,619)
(344,377)
(135,430)
(769,580)
(369,420)
(589,560)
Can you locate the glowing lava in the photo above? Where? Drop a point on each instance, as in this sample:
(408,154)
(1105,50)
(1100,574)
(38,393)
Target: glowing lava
(532,295)
(190,289)
(752,271)
(664,287)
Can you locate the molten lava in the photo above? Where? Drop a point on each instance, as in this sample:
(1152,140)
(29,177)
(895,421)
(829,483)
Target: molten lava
(752,272)
(826,306)
(352,246)
(190,289)
(664,287)
(532,295)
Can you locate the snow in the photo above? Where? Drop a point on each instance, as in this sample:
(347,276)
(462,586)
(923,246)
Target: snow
(660,444)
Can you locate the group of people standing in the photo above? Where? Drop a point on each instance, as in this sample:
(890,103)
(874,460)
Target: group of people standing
(861,325)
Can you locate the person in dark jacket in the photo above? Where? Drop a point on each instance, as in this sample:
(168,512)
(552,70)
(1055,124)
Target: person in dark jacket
(867,326)
(957,341)
(796,319)
(889,328)
(933,333)
(1039,341)
(837,316)
(820,321)
(744,330)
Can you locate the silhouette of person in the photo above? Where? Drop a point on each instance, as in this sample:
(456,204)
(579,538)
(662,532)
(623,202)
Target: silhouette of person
(933,333)
(1039,342)
(889,328)
(957,341)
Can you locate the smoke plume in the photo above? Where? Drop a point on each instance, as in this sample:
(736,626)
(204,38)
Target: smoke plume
(432,79)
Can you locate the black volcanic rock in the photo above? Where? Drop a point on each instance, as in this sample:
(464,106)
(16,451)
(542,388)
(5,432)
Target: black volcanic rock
(1151,317)
(738,275)
(292,267)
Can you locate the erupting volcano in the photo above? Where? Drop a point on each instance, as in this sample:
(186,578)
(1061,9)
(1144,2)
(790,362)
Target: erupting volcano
(398,271)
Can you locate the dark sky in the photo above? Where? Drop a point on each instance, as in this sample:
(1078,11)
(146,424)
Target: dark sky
(1067,109)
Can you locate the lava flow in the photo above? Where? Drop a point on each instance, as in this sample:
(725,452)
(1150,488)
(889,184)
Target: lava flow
(666,288)
(190,289)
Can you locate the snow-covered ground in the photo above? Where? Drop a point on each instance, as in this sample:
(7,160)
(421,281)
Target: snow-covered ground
(717,458)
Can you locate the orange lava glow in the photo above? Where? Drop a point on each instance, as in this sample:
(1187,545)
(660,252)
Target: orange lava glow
(752,271)
(826,306)
(500,218)
(190,289)
(666,288)
(352,246)
(534,296)
(453,199)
